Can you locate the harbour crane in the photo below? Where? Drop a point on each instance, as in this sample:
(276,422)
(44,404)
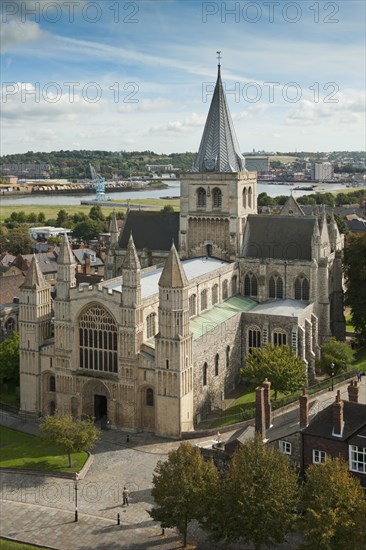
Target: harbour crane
(99,183)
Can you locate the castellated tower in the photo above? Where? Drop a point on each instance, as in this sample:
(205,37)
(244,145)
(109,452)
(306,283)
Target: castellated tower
(217,197)
(173,343)
(35,328)
(64,330)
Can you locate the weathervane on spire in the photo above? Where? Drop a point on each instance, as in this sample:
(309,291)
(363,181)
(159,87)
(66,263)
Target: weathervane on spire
(219,58)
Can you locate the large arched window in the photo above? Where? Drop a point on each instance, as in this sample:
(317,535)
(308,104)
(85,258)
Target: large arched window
(216,198)
(52,383)
(301,288)
(254,338)
(98,340)
(203,299)
(201,198)
(217,360)
(279,338)
(215,294)
(192,305)
(149,397)
(225,290)
(275,287)
(151,325)
(250,285)
(204,374)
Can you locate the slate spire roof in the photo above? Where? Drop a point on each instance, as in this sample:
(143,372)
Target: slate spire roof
(219,149)
(113,226)
(34,277)
(65,257)
(173,275)
(131,260)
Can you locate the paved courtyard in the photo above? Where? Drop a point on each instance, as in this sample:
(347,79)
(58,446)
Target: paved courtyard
(41,509)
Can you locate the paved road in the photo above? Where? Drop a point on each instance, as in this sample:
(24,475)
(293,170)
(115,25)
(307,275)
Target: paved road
(41,509)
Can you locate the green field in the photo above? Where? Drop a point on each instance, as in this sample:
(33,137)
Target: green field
(19,450)
(10,545)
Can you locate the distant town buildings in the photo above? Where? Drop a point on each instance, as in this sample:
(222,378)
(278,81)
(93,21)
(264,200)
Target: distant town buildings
(26,171)
(322,171)
(261,165)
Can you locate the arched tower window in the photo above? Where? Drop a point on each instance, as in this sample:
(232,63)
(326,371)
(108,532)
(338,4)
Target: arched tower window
(216,198)
(151,325)
(245,197)
(234,284)
(201,198)
(228,357)
(204,374)
(52,383)
(203,299)
(301,288)
(250,197)
(275,287)
(192,305)
(215,294)
(250,285)
(149,397)
(98,340)
(224,289)
(217,359)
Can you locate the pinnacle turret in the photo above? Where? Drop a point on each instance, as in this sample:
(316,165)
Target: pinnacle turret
(34,277)
(131,260)
(65,257)
(173,275)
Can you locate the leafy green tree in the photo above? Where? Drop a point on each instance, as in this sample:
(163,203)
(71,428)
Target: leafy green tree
(334,508)
(72,435)
(337,353)
(96,213)
(279,364)
(167,208)
(41,217)
(183,488)
(355,270)
(256,499)
(17,241)
(9,358)
(87,230)
(62,217)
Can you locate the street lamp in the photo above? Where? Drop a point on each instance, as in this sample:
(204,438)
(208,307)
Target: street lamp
(332,374)
(76,497)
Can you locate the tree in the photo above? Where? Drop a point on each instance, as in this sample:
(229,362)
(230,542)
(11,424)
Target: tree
(17,241)
(72,435)
(9,358)
(182,488)
(257,498)
(96,213)
(87,230)
(167,208)
(355,270)
(334,508)
(279,364)
(62,217)
(336,356)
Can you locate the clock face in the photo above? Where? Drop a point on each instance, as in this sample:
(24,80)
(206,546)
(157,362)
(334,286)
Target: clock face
(210,164)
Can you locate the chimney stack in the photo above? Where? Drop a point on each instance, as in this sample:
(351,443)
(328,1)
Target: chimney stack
(304,409)
(260,417)
(267,403)
(338,415)
(353,390)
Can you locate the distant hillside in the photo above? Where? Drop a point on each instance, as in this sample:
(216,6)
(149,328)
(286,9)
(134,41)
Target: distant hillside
(75,164)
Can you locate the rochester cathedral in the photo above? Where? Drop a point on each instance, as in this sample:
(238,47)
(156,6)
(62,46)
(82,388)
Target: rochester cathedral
(161,341)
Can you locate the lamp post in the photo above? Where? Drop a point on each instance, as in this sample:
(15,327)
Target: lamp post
(332,374)
(76,497)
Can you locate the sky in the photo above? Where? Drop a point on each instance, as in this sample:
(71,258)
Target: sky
(139,75)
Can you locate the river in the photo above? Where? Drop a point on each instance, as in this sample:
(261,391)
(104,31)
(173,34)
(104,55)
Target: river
(172,190)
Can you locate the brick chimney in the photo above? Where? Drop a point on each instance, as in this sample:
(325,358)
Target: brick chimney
(338,415)
(353,390)
(267,403)
(304,409)
(260,415)
(87,265)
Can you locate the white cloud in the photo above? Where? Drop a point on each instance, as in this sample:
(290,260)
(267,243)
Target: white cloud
(15,33)
(178,126)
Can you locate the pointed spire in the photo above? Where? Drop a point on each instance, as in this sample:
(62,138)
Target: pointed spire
(173,275)
(34,277)
(113,227)
(66,256)
(219,149)
(131,260)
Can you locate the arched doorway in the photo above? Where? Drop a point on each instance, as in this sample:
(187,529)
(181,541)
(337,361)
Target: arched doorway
(96,399)
(147,400)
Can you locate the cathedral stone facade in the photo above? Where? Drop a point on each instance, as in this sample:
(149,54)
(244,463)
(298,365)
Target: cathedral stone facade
(160,342)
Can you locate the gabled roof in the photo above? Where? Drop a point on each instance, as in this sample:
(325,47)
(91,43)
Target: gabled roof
(151,230)
(173,275)
(280,237)
(291,208)
(354,416)
(9,288)
(219,149)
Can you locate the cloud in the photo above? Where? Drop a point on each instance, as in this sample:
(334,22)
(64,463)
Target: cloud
(16,32)
(179,127)
(146,106)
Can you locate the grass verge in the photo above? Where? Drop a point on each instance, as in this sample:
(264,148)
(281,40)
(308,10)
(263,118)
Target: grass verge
(20,450)
(12,545)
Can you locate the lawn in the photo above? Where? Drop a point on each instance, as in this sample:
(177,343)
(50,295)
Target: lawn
(10,545)
(359,362)
(49,210)
(19,450)
(8,393)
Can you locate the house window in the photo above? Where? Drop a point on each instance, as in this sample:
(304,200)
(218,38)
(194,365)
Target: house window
(204,374)
(217,358)
(150,397)
(201,198)
(301,288)
(279,338)
(203,300)
(319,457)
(52,383)
(275,287)
(216,198)
(357,459)
(150,325)
(215,294)
(192,305)
(285,447)
(250,285)
(254,338)
(98,340)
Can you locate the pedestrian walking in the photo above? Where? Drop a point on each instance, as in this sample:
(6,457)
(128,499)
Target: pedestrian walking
(359,376)
(125,495)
